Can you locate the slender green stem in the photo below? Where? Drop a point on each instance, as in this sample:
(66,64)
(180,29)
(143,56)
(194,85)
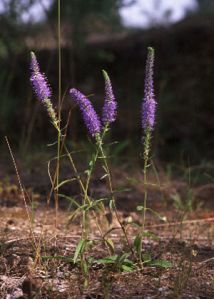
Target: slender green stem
(85,192)
(59,112)
(83,188)
(145,193)
(100,145)
(89,175)
(145,167)
(90,170)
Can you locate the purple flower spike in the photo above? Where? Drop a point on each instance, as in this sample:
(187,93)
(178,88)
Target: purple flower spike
(90,117)
(39,81)
(149,103)
(110,105)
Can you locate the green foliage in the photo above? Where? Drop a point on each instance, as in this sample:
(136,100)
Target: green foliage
(185,270)
(185,204)
(110,245)
(79,249)
(165,264)
(160,263)
(138,244)
(117,262)
(65,182)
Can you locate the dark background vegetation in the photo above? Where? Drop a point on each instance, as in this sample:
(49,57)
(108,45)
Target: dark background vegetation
(93,38)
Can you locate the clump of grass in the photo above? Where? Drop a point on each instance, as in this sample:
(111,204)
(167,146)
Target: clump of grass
(184,274)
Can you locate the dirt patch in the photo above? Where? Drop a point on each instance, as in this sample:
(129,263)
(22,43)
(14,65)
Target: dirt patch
(47,271)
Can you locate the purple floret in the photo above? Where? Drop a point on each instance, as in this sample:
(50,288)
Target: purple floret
(149,103)
(90,117)
(110,105)
(39,81)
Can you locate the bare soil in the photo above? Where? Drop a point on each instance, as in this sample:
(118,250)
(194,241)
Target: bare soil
(35,258)
(25,274)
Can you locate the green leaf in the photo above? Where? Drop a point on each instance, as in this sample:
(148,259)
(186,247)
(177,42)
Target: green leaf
(127,268)
(122,258)
(108,260)
(98,202)
(111,204)
(138,244)
(79,249)
(85,207)
(70,199)
(125,264)
(140,208)
(64,182)
(122,190)
(147,257)
(110,244)
(161,263)
(128,262)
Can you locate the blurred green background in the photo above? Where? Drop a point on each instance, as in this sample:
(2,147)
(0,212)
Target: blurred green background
(112,35)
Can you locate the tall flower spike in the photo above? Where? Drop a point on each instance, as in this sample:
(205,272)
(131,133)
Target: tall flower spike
(90,117)
(110,105)
(149,103)
(42,89)
(38,80)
